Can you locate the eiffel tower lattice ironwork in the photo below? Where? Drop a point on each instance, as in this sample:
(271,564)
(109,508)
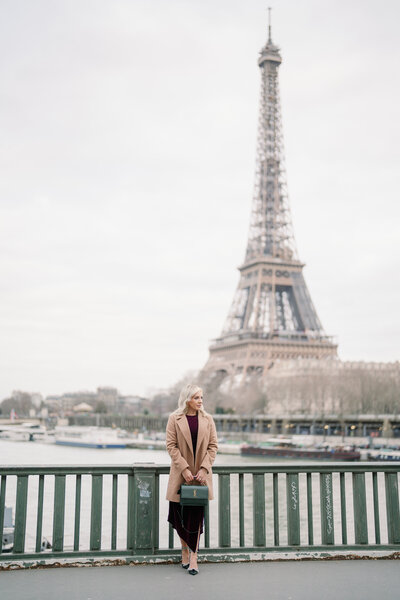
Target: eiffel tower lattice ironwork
(272,315)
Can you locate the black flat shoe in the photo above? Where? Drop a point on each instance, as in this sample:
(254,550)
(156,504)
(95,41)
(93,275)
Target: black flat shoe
(185,566)
(193,571)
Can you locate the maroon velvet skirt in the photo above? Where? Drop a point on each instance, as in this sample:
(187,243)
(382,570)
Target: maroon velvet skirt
(187,521)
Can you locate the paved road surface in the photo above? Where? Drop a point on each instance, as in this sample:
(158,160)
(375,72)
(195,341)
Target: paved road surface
(289,580)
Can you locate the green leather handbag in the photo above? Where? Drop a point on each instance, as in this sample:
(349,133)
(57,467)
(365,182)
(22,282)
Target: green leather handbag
(194,495)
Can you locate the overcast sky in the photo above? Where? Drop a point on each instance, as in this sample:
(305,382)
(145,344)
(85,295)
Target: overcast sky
(127,156)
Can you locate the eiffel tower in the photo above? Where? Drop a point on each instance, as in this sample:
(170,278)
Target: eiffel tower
(272,316)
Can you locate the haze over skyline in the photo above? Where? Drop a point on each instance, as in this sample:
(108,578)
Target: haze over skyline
(127,157)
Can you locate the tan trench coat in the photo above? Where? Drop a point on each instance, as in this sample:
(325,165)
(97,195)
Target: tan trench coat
(180,449)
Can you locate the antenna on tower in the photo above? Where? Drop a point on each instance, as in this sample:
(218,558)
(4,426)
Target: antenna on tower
(269,25)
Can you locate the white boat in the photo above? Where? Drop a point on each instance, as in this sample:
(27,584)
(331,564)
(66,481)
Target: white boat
(89,437)
(386,455)
(23,432)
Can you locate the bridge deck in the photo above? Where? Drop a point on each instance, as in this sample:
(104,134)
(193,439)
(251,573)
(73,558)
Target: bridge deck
(288,580)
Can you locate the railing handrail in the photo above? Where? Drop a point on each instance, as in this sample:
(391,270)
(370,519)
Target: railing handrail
(306,467)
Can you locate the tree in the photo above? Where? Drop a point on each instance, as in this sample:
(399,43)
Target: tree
(21,402)
(100,407)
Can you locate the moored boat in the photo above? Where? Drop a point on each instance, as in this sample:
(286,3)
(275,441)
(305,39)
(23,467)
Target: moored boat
(384,455)
(288,449)
(91,437)
(23,432)
(90,443)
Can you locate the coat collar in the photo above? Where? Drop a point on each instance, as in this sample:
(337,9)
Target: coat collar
(184,427)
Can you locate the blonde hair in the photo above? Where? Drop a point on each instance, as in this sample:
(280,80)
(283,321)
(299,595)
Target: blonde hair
(185,396)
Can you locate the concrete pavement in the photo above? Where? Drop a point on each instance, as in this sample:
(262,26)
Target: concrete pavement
(287,580)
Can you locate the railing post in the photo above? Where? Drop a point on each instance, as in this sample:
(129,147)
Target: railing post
(343,508)
(145,519)
(78,487)
(96,512)
(310,519)
(2,507)
(20,513)
(224,510)
(392,508)
(39,518)
(326,500)
(114,511)
(259,509)
(241,510)
(360,509)
(59,513)
(293,510)
(376,508)
(275,492)
(130,513)
(207,526)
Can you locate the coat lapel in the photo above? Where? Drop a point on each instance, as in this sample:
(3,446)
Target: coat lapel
(184,427)
(201,433)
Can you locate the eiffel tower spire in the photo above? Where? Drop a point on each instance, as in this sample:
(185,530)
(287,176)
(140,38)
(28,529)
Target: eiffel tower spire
(271,231)
(272,315)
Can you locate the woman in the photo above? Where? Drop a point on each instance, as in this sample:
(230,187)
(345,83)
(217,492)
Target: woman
(192,446)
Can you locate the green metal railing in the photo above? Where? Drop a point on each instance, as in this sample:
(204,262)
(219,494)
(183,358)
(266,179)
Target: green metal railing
(120,511)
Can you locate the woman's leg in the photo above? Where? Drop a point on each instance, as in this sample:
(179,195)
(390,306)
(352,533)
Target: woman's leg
(193,555)
(185,552)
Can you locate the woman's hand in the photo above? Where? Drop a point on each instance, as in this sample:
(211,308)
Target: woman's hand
(187,475)
(201,476)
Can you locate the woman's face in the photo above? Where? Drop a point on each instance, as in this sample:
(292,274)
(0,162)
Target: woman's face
(196,401)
